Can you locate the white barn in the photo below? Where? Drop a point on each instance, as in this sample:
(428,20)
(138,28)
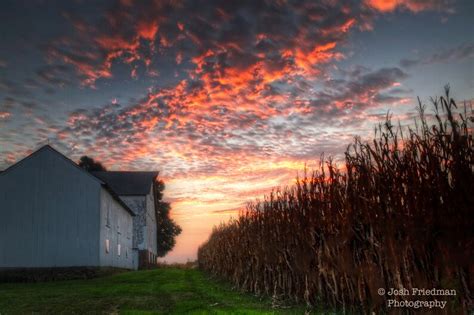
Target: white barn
(55,214)
(136,190)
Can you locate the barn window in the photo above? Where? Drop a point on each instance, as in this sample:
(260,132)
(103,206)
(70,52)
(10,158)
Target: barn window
(118,249)
(107,246)
(126,252)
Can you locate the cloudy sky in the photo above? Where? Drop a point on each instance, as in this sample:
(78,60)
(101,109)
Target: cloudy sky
(227,99)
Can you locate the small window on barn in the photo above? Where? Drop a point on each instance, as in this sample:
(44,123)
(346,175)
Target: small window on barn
(126,252)
(118,249)
(118,229)
(107,246)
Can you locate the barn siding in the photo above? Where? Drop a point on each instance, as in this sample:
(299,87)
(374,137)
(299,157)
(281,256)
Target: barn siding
(144,222)
(138,206)
(49,214)
(117,227)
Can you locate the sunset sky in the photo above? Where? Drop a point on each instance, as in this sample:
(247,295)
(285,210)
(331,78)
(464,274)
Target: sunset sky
(227,99)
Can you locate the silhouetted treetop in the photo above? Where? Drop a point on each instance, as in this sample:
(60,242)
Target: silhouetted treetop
(90,165)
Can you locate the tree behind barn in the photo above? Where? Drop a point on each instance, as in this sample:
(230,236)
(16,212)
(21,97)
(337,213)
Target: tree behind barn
(167,229)
(89,164)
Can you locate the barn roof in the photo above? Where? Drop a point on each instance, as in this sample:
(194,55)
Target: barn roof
(128,183)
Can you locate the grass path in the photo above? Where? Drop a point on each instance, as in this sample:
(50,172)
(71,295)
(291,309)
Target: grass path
(161,291)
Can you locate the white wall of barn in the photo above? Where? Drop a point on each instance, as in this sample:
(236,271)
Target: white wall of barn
(116,230)
(49,212)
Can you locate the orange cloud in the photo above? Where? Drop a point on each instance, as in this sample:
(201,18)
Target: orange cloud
(147,30)
(412,5)
(319,54)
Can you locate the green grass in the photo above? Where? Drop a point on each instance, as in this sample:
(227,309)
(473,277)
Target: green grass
(160,291)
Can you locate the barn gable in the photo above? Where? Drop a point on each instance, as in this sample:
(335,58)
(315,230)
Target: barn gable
(42,151)
(50,213)
(48,148)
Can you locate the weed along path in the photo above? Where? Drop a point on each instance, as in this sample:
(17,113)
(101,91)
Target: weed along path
(160,291)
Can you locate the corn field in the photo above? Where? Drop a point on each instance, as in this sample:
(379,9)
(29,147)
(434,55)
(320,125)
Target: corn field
(398,214)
